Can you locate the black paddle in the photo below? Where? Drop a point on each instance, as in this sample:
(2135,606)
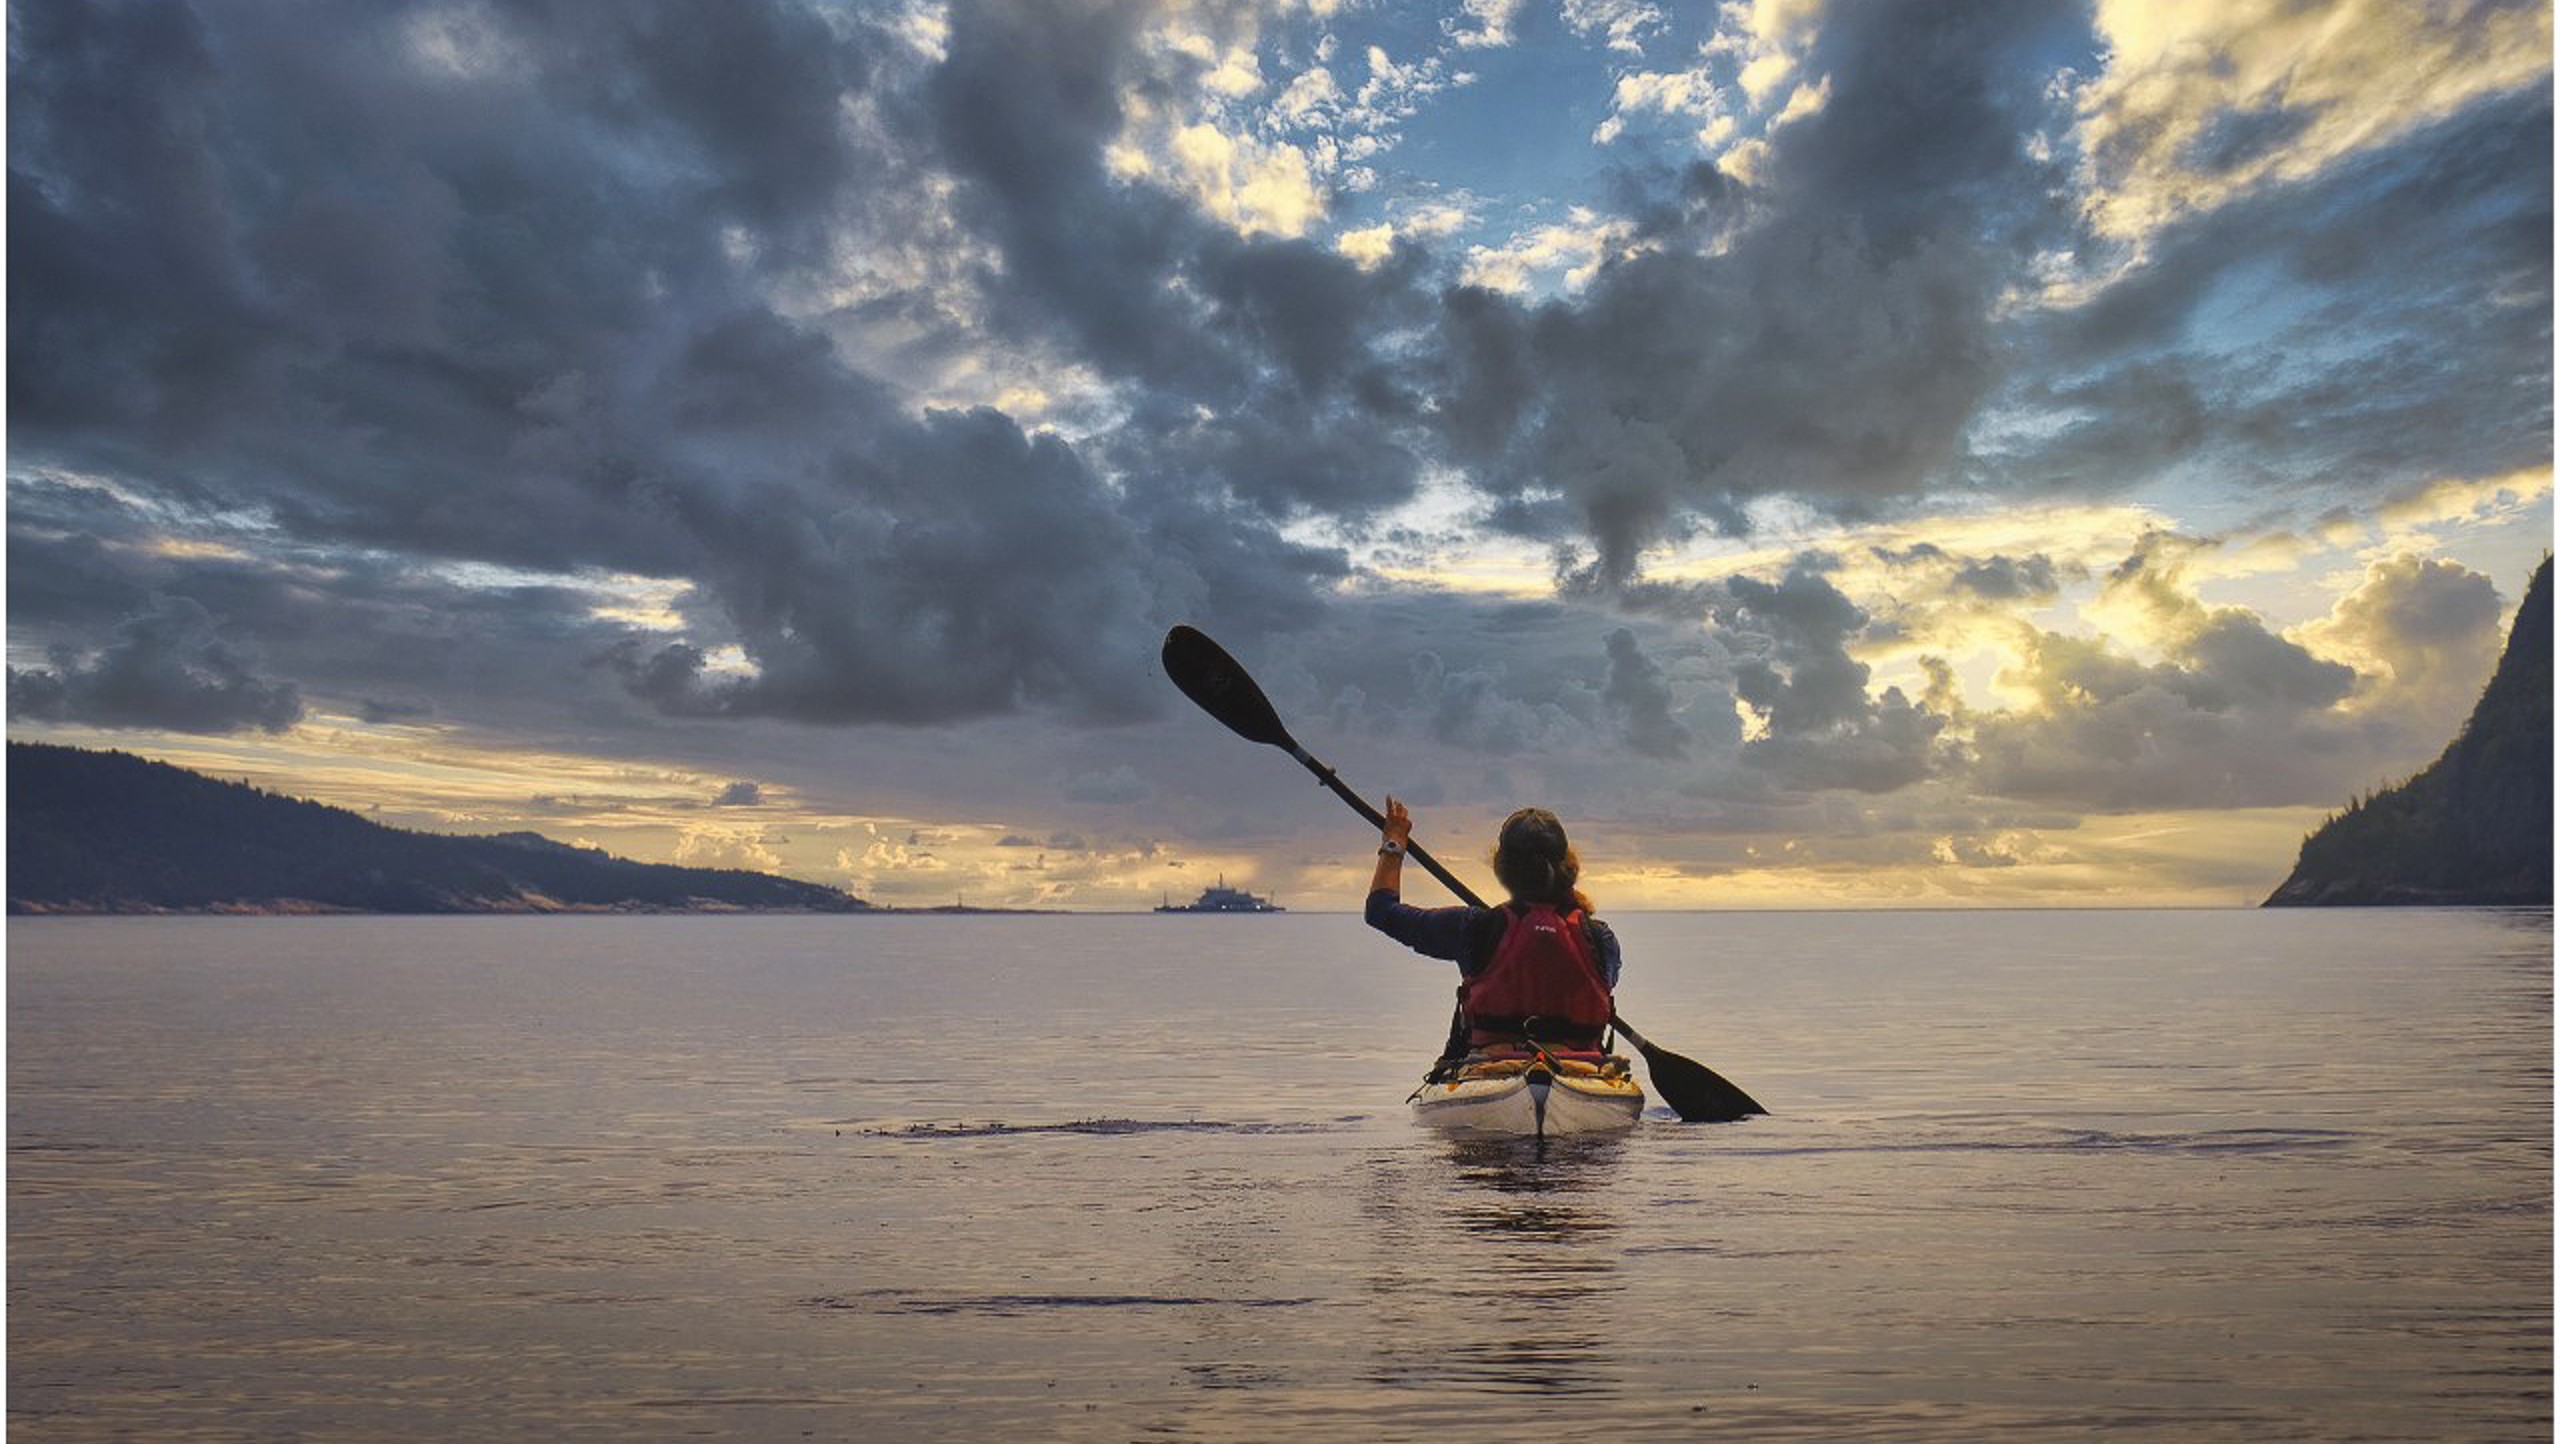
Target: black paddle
(1220,684)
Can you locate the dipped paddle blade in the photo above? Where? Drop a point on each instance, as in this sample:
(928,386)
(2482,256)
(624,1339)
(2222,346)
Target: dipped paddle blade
(1222,687)
(1698,1093)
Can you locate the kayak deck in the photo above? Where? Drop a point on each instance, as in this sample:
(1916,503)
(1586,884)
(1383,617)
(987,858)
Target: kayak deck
(1537,1097)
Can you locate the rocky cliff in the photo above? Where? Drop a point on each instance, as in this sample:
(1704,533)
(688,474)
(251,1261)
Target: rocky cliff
(2475,826)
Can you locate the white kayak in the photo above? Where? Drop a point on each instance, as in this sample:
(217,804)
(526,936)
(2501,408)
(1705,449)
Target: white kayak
(1532,1097)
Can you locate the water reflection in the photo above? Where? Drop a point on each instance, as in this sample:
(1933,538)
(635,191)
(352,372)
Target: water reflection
(1542,1189)
(1528,1286)
(1582,1164)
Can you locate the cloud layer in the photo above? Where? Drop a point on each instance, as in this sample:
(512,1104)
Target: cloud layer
(661,373)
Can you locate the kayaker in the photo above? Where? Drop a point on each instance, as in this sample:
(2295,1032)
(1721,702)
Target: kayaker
(1538,970)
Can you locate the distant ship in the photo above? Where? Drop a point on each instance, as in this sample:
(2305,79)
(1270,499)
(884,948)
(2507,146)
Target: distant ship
(1224,899)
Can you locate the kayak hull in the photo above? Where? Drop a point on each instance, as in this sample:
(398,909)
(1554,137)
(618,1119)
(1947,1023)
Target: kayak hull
(1532,1099)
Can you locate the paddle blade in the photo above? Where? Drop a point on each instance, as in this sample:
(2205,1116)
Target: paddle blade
(1698,1093)
(1219,683)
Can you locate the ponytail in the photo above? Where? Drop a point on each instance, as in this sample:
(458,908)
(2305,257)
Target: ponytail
(1536,863)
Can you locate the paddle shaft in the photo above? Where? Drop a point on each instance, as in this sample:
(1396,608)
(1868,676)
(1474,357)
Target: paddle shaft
(1359,804)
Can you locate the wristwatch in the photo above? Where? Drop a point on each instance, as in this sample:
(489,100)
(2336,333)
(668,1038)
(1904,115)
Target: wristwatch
(1391,849)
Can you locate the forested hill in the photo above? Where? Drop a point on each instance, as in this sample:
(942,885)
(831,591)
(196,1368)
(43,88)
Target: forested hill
(108,832)
(2474,828)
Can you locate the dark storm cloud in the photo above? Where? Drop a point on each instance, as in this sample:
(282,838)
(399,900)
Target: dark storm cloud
(1276,454)
(1420,683)
(1024,104)
(2102,432)
(2008,579)
(1798,673)
(387,287)
(1478,705)
(1927,572)
(1265,360)
(385,632)
(147,321)
(2415,336)
(1509,679)
(1890,745)
(963,568)
(1115,787)
(2238,663)
(1794,667)
(1563,695)
(773,152)
(1570,690)
(1637,691)
(1835,333)
(1830,337)
(166,667)
(379,710)
(71,562)
(491,286)
(1262,358)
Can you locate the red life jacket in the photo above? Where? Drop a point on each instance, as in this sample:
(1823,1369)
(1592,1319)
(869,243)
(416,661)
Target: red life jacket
(1543,976)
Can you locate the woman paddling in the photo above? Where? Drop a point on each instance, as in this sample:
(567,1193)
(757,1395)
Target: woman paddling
(1536,974)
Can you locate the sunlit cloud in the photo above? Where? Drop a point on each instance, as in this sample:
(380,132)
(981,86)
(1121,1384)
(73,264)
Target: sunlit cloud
(650,603)
(2421,633)
(1621,24)
(1370,246)
(2462,500)
(1485,24)
(2202,101)
(1689,93)
(1254,186)
(1563,255)
(723,847)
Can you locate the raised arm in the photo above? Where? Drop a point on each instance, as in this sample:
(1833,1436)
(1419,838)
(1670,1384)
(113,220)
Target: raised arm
(1391,840)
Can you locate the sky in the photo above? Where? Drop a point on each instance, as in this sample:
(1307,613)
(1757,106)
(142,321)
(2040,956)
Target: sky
(1835,454)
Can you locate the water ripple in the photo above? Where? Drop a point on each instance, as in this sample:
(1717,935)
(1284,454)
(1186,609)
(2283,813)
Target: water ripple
(1094,1127)
(2077,1140)
(909,1301)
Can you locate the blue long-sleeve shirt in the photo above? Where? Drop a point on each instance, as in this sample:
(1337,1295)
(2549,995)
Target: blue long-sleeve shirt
(1467,936)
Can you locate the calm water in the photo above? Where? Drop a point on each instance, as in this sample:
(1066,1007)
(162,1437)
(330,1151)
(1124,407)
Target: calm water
(2225,1175)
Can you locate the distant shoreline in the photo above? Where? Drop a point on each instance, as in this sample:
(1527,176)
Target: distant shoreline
(18,910)
(294,908)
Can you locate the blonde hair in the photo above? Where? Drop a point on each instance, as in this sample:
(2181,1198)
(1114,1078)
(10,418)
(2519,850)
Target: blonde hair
(1536,862)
